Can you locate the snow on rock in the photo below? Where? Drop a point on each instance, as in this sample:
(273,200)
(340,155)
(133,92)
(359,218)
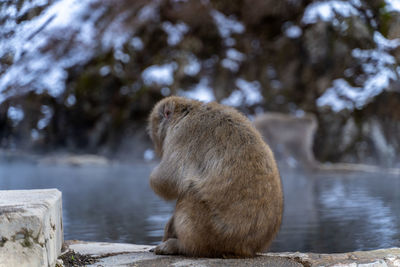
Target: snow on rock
(159,74)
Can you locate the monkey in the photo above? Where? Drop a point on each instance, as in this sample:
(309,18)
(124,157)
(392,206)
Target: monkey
(293,136)
(223,176)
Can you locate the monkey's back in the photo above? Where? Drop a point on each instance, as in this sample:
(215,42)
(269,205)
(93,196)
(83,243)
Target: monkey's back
(235,194)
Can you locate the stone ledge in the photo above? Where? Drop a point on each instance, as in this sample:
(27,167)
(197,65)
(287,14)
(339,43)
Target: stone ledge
(114,254)
(31,231)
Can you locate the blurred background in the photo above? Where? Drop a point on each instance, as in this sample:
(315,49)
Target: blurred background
(81,77)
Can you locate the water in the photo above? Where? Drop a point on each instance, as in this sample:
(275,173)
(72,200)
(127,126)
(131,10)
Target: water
(323,212)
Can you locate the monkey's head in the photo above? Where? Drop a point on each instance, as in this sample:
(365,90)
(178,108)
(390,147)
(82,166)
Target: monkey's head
(166,113)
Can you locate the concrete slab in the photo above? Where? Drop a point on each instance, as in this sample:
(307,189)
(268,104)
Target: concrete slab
(112,254)
(96,249)
(115,254)
(31,231)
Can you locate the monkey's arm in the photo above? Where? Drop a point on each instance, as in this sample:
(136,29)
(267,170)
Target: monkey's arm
(164,180)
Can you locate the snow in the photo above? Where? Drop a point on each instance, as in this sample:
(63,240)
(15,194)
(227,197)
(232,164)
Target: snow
(175,32)
(232,62)
(29,37)
(251,90)
(159,74)
(384,43)
(293,32)
(148,154)
(334,96)
(149,13)
(327,10)
(248,93)
(393,5)
(35,134)
(344,96)
(114,35)
(165,91)
(192,68)
(137,43)
(234,54)
(235,99)
(276,84)
(47,114)
(202,91)
(71,100)
(121,56)
(379,66)
(229,41)
(227,26)
(373,59)
(105,70)
(15,114)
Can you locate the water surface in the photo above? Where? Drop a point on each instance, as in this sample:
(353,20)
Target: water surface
(323,212)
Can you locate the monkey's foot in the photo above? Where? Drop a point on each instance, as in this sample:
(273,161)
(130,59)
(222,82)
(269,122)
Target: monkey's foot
(169,247)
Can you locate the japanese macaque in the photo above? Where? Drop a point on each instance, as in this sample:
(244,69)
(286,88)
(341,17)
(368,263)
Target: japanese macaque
(224,178)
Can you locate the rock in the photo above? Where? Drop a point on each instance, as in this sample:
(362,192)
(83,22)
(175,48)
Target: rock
(31,232)
(75,160)
(109,254)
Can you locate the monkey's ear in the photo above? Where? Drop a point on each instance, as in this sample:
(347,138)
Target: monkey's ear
(167,110)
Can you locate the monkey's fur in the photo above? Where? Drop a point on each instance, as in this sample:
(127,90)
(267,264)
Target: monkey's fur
(223,175)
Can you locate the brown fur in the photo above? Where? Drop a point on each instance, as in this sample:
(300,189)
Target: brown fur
(223,175)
